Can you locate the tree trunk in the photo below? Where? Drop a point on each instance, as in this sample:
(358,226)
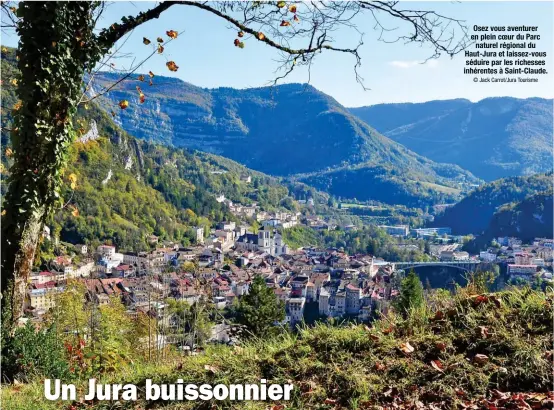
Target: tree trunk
(56,46)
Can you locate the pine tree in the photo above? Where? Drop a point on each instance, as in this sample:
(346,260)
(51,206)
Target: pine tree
(411,293)
(260,309)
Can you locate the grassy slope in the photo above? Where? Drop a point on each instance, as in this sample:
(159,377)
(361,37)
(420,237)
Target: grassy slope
(357,367)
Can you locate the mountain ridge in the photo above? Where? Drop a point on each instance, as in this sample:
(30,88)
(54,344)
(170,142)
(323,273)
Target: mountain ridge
(513,135)
(290,130)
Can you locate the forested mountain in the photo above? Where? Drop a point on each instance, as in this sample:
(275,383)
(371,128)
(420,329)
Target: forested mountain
(492,138)
(528,219)
(289,130)
(473,213)
(126,189)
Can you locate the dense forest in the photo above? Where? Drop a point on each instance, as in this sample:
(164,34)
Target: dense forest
(473,213)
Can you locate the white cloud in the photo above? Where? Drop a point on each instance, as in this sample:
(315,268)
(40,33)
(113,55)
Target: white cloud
(413,63)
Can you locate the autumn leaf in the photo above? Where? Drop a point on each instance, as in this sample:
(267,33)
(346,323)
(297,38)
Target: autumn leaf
(406,348)
(241,44)
(240,34)
(480,358)
(4,50)
(437,365)
(139,89)
(145,41)
(260,36)
(13,9)
(9,152)
(380,366)
(73,180)
(160,40)
(17,105)
(441,346)
(236,42)
(211,369)
(3,212)
(160,49)
(123,104)
(151,74)
(14,81)
(172,34)
(284,23)
(172,66)
(292,8)
(141,77)
(74,211)
(484,331)
(281,4)
(295,18)
(330,401)
(142,98)
(439,315)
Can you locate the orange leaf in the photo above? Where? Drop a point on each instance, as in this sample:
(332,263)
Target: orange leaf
(284,23)
(139,89)
(380,366)
(160,49)
(441,346)
(151,74)
(142,98)
(141,77)
(145,41)
(437,365)
(171,33)
(240,34)
(406,348)
(260,36)
(172,66)
(14,81)
(292,8)
(9,152)
(160,40)
(236,42)
(74,211)
(123,104)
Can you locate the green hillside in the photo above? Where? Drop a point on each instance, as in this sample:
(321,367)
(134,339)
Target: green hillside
(290,130)
(470,350)
(473,213)
(127,189)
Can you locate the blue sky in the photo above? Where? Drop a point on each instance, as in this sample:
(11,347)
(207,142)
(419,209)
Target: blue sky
(207,58)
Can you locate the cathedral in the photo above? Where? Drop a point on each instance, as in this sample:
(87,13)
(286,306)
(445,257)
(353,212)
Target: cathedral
(263,241)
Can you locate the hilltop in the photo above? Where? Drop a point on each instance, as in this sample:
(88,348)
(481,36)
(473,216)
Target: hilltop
(291,130)
(473,214)
(492,138)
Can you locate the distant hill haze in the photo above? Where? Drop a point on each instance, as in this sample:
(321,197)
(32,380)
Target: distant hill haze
(492,138)
(291,130)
